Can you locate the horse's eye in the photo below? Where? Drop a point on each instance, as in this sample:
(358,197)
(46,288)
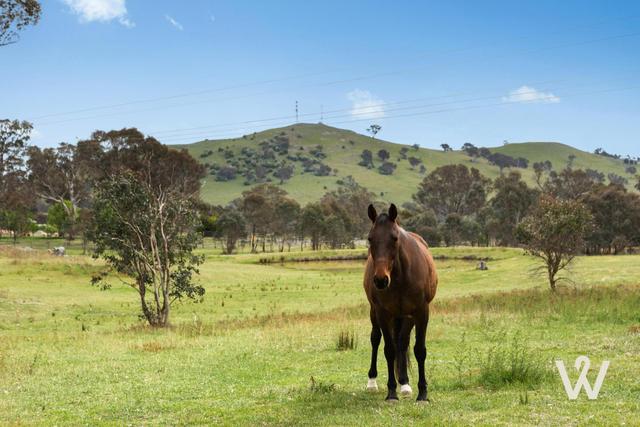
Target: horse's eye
(395,238)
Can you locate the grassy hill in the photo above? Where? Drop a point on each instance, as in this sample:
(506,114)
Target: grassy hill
(343,148)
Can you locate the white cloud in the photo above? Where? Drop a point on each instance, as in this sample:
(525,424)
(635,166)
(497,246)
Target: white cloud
(530,95)
(365,105)
(174,23)
(100,10)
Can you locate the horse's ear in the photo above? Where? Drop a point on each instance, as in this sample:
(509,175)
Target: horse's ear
(372,213)
(393,212)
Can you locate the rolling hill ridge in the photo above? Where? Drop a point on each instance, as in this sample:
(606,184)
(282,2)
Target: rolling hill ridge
(319,157)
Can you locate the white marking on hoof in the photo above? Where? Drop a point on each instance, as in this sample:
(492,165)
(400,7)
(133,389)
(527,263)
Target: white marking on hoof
(405,390)
(372,385)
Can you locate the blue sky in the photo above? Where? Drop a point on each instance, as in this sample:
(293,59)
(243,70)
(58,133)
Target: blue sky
(427,72)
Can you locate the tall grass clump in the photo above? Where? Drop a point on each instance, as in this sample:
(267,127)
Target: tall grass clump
(512,362)
(346,341)
(321,387)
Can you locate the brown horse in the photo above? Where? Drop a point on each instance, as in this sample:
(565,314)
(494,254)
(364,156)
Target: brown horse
(400,280)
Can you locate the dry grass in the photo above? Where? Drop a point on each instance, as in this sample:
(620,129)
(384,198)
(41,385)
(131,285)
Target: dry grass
(155,346)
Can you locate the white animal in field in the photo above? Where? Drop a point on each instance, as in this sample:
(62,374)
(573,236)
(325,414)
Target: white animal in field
(58,251)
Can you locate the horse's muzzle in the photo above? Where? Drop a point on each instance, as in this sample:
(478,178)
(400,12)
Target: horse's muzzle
(381,282)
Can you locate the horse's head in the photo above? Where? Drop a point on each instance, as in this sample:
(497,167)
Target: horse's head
(383,244)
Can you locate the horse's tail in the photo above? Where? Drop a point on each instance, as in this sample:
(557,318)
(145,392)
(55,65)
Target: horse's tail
(409,366)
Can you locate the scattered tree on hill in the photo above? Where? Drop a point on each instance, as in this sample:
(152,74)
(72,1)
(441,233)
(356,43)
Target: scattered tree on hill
(503,161)
(414,161)
(403,153)
(284,172)
(423,169)
(521,162)
(453,189)
(387,168)
(470,149)
(318,152)
(446,147)
(631,170)
(373,130)
(555,232)
(15,15)
(367,159)
(383,154)
(570,159)
(146,217)
(415,147)
(226,173)
(602,152)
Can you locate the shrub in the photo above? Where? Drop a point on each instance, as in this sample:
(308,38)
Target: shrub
(511,363)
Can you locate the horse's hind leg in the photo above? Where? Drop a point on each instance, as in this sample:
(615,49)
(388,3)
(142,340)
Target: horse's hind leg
(420,351)
(376,336)
(403,335)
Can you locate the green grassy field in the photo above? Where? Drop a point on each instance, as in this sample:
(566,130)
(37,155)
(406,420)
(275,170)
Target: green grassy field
(344,156)
(74,355)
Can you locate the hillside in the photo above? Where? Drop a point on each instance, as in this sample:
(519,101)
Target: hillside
(342,149)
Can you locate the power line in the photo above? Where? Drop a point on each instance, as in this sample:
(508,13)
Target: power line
(334,82)
(420,113)
(364,111)
(387,104)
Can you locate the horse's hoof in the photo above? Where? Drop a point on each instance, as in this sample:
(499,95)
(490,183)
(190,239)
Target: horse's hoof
(405,390)
(422,401)
(372,385)
(391,400)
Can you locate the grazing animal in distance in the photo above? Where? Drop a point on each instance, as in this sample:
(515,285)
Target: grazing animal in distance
(400,281)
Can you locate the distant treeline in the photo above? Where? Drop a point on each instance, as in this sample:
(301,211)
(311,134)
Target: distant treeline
(453,205)
(52,190)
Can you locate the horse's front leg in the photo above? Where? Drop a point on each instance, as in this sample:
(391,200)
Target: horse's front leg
(389,353)
(376,336)
(420,351)
(403,335)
